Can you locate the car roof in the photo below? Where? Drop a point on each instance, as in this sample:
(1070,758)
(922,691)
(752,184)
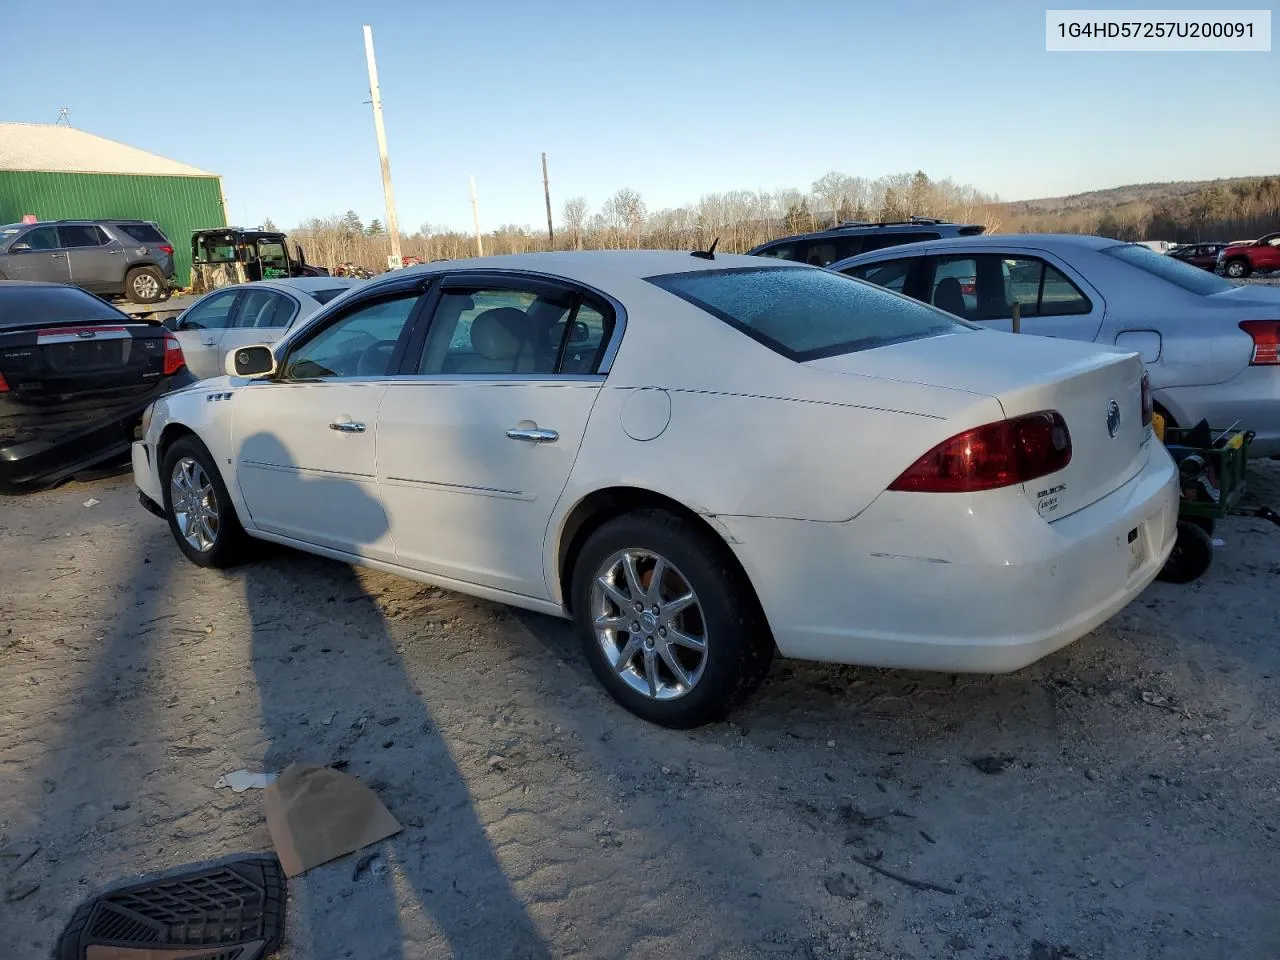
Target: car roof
(988,241)
(307,284)
(601,265)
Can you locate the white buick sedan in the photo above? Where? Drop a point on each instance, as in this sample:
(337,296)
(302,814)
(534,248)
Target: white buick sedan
(698,459)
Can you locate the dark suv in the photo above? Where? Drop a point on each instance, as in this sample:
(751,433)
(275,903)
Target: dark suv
(112,258)
(825,247)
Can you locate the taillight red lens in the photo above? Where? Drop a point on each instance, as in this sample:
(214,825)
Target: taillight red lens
(1266,341)
(999,454)
(173,358)
(4,384)
(1148,405)
(168,250)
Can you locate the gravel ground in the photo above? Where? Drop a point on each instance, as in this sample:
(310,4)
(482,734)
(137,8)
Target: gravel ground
(1126,802)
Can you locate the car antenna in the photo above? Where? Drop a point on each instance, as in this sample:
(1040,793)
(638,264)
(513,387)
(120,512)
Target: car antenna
(709,253)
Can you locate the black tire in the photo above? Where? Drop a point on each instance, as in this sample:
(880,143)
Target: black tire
(739,647)
(1191,557)
(144,285)
(229,541)
(1206,524)
(1238,268)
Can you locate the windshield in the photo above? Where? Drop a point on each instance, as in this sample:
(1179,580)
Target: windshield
(1189,278)
(807,314)
(22,305)
(220,248)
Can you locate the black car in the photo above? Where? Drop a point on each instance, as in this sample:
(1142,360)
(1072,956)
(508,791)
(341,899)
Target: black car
(75,377)
(825,247)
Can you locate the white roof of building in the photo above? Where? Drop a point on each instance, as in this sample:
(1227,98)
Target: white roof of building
(50,148)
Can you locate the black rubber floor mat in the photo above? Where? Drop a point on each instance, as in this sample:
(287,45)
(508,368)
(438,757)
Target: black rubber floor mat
(229,910)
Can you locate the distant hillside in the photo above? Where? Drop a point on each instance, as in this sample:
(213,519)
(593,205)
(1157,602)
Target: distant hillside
(1183,210)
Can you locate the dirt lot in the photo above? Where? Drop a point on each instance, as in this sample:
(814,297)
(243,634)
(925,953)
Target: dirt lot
(1136,817)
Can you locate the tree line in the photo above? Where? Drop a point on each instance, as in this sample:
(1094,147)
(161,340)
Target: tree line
(741,219)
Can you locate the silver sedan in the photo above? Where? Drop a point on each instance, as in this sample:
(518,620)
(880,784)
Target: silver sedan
(248,313)
(1210,345)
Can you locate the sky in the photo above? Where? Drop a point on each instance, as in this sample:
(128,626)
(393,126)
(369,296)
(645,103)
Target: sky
(672,98)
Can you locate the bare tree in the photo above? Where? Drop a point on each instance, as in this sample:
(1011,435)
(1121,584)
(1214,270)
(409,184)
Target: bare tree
(575,219)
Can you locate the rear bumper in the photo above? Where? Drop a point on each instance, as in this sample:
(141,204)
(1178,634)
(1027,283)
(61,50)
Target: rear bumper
(45,461)
(983,585)
(1250,399)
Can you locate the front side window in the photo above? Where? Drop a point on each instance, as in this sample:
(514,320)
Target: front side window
(807,314)
(211,313)
(496,332)
(360,343)
(81,235)
(1189,278)
(41,238)
(892,275)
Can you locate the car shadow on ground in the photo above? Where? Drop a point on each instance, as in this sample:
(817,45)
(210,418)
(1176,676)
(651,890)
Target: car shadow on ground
(441,866)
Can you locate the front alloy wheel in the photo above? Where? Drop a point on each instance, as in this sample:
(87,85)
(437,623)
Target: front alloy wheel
(1236,269)
(195,504)
(649,624)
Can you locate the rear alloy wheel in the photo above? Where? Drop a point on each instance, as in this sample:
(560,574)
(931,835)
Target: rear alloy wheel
(201,517)
(667,621)
(144,285)
(1236,269)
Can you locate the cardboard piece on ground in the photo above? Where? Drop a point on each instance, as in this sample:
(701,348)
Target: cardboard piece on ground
(317,814)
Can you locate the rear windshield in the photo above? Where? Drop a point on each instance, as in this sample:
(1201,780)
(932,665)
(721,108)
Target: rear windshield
(1184,275)
(22,305)
(324,296)
(805,314)
(142,232)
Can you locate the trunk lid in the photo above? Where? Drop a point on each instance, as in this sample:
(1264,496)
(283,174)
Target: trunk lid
(1025,374)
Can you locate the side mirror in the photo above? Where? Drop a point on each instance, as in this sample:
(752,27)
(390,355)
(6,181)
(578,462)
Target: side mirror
(254,361)
(20,248)
(170,323)
(580,333)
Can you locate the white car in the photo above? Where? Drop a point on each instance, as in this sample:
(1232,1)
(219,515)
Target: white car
(697,459)
(248,313)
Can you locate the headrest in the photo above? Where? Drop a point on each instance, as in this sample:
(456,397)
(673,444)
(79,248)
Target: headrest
(496,333)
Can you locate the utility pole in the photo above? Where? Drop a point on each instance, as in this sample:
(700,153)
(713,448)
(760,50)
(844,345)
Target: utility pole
(393,226)
(546,190)
(475,217)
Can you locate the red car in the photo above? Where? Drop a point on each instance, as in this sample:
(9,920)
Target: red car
(1241,259)
(1202,255)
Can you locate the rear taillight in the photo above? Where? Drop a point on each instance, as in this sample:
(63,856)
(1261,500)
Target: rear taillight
(1266,341)
(999,454)
(168,250)
(4,384)
(1148,405)
(173,358)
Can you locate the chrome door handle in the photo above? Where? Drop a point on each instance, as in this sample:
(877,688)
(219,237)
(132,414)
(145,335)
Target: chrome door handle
(534,435)
(209,343)
(347,426)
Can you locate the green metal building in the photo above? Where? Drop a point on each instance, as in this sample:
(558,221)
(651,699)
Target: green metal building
(56,172)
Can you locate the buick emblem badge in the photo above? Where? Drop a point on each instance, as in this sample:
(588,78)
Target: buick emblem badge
(1113,417)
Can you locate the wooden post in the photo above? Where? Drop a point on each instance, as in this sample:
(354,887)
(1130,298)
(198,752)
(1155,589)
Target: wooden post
(475,217)
(1017,317)
(393,226)
(547,192)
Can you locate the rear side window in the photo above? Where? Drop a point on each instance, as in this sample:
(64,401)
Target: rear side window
(807,314)
(141,232)
(827,250)
(1184,275)
(21,305)
(82,235)
(892,275)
